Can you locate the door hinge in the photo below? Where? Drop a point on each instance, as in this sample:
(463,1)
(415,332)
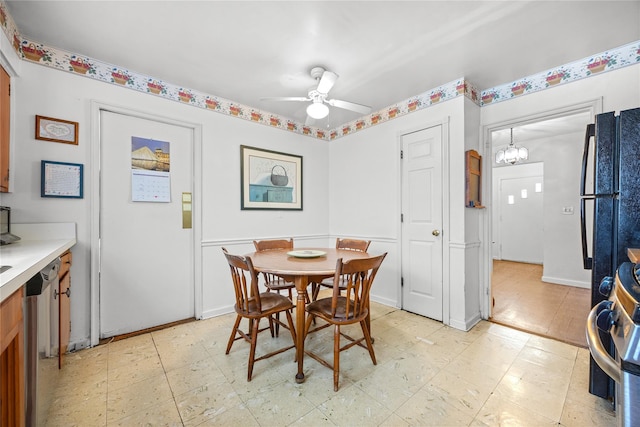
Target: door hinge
(401,282)
(401,154)
(401,217)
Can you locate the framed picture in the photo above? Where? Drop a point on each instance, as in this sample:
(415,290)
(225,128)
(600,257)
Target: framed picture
(56,130)
(270,180)
(59,179)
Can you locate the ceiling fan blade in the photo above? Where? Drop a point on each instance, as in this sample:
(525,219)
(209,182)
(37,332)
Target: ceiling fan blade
(287,98)
(326,82)
(358,108)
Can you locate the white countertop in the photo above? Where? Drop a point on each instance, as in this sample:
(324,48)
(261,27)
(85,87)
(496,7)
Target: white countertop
(39,245)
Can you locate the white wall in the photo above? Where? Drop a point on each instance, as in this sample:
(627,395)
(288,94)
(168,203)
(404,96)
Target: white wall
(619,90)
(613,91)
(43,91)
(562,240)
(364,190)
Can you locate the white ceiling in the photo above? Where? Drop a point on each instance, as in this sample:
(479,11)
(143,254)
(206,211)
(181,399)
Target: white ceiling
(383,51)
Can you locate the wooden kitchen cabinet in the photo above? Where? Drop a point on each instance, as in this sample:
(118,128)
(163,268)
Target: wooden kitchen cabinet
(64,304)
(12,375)
(5,133)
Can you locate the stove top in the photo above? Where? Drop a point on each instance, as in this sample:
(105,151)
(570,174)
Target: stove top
(625,308)
(627,290)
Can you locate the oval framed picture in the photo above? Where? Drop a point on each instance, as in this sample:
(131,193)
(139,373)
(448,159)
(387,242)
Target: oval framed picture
(56,130)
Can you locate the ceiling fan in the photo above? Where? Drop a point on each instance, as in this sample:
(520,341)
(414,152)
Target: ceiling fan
(318,96)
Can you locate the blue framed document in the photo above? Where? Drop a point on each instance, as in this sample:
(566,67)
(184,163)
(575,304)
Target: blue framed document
(60,179)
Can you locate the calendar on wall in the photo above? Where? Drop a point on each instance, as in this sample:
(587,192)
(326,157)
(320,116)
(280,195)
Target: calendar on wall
(150,170)
(150,187)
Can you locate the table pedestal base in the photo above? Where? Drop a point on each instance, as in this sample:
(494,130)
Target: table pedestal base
(301,288)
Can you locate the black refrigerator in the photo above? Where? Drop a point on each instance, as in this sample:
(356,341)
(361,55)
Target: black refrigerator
(614,201)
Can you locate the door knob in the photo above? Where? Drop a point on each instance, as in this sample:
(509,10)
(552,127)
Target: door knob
(435,232)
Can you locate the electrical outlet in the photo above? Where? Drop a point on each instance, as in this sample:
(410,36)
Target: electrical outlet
(567,210)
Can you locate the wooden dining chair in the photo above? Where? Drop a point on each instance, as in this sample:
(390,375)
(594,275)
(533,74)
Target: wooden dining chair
(271,281)
(347,307)
(253,305)
(349,244)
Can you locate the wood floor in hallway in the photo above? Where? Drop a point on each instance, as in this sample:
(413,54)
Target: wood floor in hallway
(523,301)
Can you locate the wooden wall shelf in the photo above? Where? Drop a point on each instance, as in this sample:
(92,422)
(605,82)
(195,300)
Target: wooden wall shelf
(473,179)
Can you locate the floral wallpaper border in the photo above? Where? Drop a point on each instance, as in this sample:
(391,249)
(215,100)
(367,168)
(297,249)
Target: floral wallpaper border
(92,68)
(609,60)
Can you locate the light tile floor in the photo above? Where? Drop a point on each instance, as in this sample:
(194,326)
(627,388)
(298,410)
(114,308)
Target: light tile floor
(428,374)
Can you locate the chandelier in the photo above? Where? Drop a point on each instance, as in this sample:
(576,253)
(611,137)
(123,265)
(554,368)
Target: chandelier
(511,154)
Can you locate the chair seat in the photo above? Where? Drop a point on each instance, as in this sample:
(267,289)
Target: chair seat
(271,303)
(322,308)
(279,285)
(328,283)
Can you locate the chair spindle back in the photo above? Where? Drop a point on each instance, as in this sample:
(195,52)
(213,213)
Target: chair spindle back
(353,244)
(265,245)
(245,283)
(355,278)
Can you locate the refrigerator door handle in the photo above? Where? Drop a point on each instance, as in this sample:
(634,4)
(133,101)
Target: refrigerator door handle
(590,133)
(587,261)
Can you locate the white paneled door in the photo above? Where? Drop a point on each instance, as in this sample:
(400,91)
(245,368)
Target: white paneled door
(146,256)
(422,222)
(521,219)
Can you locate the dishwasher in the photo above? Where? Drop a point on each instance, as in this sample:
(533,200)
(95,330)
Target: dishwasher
(41,369)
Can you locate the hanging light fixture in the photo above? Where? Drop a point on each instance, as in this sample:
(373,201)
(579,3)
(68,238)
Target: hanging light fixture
(512,154)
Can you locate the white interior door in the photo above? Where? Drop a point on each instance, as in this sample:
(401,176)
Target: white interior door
(146,256)
(422,222)
(521,219)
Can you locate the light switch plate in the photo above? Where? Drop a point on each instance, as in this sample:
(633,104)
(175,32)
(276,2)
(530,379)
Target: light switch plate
(567,210)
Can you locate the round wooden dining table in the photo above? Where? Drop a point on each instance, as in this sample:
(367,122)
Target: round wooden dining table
(302,270)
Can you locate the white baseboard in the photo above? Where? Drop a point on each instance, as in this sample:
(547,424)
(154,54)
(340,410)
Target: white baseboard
(217,312)
(559,281)
(78,345)
(467,324)
(385,301)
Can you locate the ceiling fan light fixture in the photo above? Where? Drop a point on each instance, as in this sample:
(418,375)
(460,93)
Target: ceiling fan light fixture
(317,110)
(319,107)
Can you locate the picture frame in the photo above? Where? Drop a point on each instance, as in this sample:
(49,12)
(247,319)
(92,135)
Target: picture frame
(61,179)
(56,130)
(270,180)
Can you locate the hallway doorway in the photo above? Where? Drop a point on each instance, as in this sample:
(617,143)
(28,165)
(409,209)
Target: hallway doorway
(547,295)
